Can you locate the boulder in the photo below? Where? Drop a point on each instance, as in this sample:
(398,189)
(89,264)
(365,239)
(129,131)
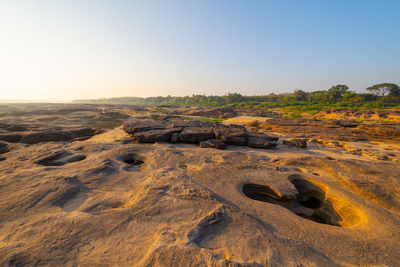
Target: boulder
(301,143)
(238,141)
(232,130)
(10,137)
(231,134)
(226,138)
(4,147)
(263,136)
(161,135)
(143,125)
(213,143)
(181,122)
(46,136)
(174,138)
(196,134)
(259,142)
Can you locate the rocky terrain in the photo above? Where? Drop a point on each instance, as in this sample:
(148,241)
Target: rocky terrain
(104,185)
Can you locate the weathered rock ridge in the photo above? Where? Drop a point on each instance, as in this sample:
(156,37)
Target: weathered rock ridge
(177,129)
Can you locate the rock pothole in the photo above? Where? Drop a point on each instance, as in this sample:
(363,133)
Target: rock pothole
(310,203)
(60,158)
(131,159)
(71,195)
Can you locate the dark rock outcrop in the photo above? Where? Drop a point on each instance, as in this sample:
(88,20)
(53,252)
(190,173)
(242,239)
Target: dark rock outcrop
(196,134)
(174,138)
(231,134)
(176,129)
(152,136)
(214,143)
(181,122)
(258,142)
(12,138)
(301,143)
(143,125)
(4,147)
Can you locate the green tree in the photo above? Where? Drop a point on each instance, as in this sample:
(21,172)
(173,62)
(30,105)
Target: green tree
(394,90)
(234,98)
(335,93)
(382,89)
(300,95)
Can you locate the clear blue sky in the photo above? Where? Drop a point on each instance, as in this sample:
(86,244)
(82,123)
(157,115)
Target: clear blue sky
(64,50)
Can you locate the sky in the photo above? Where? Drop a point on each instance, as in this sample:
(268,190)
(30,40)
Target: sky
(80,49)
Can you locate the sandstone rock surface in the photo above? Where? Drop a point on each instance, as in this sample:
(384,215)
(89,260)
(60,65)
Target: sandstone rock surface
(110,201)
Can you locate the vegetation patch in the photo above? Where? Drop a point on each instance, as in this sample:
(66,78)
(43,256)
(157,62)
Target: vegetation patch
(378,96)
(214,120)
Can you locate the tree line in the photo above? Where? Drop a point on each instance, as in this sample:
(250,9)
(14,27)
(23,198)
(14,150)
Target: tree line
(339,96)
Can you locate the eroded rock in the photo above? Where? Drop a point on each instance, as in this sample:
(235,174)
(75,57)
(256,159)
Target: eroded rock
(196,134)
(152,136)
(259,142)
(213,143)
(12,138)
(301,143)
(144,125)
(4,147)
(176,129)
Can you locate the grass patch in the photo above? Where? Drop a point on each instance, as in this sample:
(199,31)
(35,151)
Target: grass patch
(214,120)
(291,115)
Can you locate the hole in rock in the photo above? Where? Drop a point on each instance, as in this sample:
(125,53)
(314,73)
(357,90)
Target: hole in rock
(310,202)
(182,166)
(131,159)
(76,158)
(54,160)
(59,159)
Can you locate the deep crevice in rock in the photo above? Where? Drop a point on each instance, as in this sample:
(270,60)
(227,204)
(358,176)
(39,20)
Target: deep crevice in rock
(310,203)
